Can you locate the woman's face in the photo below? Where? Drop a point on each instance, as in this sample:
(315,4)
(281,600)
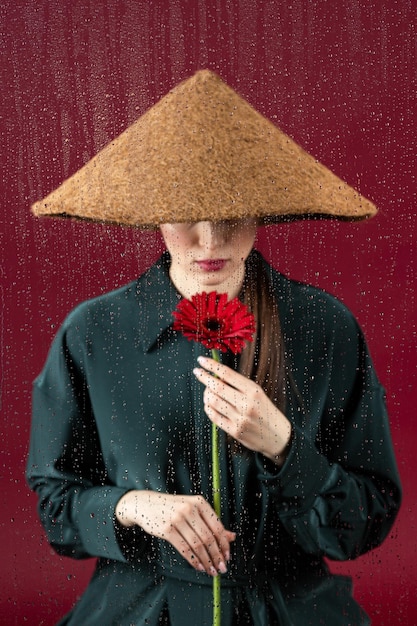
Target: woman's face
(209,256)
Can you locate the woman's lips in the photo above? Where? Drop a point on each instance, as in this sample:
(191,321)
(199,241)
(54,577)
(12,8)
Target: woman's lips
(212,265)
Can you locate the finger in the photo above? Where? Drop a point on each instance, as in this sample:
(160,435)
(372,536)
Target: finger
(201,546)
(183,546)
(218,418)
(205,535)
(223,537)
(209,552)
(225,373)
(219,388)
(231,405)
(243,398)
(190,536)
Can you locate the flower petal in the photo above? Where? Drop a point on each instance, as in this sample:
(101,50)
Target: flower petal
(215,322)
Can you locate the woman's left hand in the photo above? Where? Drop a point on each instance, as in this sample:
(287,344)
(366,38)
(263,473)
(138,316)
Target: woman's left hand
(241,408)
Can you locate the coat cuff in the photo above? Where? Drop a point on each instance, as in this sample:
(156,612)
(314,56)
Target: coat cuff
(96,522)
(295,486)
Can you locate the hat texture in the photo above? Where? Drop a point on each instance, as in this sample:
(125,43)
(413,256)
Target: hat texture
(202,153)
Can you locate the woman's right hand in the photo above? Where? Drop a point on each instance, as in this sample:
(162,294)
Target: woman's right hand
(188,522)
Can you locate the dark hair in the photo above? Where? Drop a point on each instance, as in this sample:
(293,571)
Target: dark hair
(263,359)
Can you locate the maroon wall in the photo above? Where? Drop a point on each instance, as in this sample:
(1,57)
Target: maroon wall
(339,77)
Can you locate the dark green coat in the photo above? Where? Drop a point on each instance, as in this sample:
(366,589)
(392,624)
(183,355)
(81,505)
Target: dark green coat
(117,408)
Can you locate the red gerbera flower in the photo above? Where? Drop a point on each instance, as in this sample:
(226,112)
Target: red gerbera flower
(213,321)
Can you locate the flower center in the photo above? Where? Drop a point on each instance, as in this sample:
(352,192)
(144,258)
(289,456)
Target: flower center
(213,324)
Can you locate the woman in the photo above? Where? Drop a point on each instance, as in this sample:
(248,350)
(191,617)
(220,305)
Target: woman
(124,473)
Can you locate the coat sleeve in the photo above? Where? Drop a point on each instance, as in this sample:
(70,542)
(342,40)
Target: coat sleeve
(65,467)
(338,492)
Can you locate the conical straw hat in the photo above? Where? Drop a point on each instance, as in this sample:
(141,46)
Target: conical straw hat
(202,153)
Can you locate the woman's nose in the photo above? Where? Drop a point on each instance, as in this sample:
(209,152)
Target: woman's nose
(212,234)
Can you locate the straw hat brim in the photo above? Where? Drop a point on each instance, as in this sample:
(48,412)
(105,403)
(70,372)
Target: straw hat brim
(203,153)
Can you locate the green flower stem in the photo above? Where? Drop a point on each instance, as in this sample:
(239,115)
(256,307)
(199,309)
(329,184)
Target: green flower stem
(216,501)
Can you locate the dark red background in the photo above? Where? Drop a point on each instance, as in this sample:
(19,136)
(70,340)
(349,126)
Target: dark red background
(339,77)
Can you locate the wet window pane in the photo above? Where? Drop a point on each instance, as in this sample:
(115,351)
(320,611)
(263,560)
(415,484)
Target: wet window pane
(339,79)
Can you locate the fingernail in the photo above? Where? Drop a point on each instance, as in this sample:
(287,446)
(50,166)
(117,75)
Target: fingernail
(200,567)
(201,360)
(222,568)
(212,571)
(227,556)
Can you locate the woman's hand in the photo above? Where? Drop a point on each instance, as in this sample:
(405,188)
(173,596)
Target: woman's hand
(187,522)
(242,409)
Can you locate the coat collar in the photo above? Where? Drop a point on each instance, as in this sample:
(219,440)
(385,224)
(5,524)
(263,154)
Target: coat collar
(157,299)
